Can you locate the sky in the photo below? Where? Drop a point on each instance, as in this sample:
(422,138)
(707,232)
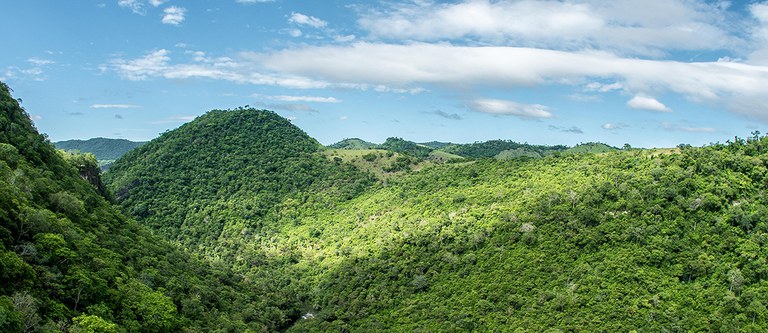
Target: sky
(642,72)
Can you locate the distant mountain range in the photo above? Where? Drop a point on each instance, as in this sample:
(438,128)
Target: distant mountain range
(499,149)
(239,221)
(103,148)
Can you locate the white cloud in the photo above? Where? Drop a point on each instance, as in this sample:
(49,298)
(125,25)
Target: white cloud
(295,32)
(113,106)
(156,3)
(614,126)
(627,26)
(299,18)
(153,64)
(410,68)
(136,6)
(602,87)
(641,102)
(158,64)
(737,86)
(759,33)
(510,108)
(40,62)
(174,15)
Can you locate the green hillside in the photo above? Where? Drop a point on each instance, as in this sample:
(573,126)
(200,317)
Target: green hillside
(612,242)
(617,242)
(503,149)
(70,262)
(352,144)
(436,144)
(227,174)
(590,148)
(280,234)
(104,149)
(406,147)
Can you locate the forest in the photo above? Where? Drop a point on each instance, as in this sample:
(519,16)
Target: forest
(238,221)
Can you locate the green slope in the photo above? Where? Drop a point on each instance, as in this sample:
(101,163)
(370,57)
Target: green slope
(620,241)
(590,148)
(352,144)
(223,175)
(411,148)
(503,149)
(613,242)
(70,262)
(104,149)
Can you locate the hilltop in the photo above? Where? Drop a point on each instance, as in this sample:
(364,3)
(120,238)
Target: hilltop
(71,262)
(104,149)
(225,174)
(238,221)
(558,241)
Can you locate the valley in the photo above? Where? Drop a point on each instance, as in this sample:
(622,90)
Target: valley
(238,221)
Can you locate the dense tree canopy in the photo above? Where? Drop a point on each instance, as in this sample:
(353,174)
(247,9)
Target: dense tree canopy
(70,262)
(257,227)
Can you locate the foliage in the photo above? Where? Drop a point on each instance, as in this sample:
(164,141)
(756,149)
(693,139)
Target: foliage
(71,262)
(622,241)
(352,143)
(436,144)
(405,147)
(493,148)
(590,148)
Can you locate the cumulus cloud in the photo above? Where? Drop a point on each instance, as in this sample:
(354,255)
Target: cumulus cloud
(136,6)
(113,106)
(625,26)
(739,87)
(152,64)
(301,19)
(156,3)
(174,15)
(409,68)
(641,102)
(510,108)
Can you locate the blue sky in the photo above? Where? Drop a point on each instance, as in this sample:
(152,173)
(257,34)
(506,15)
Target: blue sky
(647,73)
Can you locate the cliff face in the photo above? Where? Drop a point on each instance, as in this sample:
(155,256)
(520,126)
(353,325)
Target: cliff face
(88,169)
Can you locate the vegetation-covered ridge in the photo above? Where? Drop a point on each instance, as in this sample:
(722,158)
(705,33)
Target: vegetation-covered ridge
(70,262)
(614,242)
(103,149)
(226,173)
(618,241)
(301,238)
(499,149)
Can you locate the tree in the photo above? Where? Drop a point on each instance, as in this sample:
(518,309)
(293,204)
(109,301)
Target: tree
(92,324)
